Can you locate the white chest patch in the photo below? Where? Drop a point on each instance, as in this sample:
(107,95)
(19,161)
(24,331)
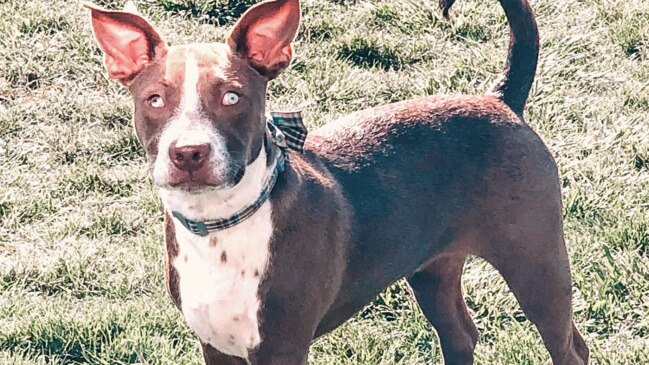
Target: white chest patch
(219,282)
(219,275)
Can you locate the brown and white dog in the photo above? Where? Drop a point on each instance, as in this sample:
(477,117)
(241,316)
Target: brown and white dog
(403,190)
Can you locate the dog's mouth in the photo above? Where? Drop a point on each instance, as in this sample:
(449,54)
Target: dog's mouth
(200,181)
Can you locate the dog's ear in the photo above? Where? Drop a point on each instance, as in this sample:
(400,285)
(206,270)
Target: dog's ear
(264,34)
(128,41)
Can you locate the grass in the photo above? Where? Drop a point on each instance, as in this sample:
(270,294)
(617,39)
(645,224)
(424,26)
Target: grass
(80,235)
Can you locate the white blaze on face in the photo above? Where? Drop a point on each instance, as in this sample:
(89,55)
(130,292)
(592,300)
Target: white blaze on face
(188,127)
(190,102)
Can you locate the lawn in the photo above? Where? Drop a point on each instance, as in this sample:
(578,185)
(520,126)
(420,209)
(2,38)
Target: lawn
(81,278)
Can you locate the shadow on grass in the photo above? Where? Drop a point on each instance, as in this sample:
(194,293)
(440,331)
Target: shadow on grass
(54,340)
(368,54)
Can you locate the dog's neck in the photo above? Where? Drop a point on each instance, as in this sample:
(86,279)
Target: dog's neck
(222,202)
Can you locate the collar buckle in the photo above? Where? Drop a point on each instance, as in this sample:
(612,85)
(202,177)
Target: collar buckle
(198,228)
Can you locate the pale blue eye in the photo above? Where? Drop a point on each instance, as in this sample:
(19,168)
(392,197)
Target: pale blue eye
(230,98)
(156,101)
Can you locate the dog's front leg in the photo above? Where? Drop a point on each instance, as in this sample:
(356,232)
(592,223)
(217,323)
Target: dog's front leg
(215,357)
(293,357)
(270,357)
(288,322)
(283,347)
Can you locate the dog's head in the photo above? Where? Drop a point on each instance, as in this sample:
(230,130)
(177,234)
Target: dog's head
(199,108)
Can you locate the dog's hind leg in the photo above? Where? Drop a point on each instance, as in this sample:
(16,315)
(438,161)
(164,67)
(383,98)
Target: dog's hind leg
(541,283)
(521,235)
(438,291)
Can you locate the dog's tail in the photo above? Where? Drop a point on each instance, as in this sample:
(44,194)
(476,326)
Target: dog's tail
(516,82)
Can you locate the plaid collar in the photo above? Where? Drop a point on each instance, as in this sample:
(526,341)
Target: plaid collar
(287,131)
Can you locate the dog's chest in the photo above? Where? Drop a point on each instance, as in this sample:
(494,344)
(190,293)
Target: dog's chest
(219,279)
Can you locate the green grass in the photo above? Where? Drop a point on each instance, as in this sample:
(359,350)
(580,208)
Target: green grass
(80,225)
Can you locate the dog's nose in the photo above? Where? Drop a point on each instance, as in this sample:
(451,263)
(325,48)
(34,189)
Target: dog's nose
(189,158)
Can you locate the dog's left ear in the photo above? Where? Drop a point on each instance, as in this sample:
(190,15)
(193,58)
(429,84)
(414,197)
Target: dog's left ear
(264,34)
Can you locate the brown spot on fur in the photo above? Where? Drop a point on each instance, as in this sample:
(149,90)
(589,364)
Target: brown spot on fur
(185,258)
(256,273)
(171,274)
(243,272)
(224,257)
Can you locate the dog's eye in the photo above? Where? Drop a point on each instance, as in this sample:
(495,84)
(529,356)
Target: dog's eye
(156,101)
(230,98)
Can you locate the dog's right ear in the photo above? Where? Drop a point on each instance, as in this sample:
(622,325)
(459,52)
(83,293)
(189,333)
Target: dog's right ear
(128,41)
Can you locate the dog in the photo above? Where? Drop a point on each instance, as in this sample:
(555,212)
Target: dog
(273,240)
